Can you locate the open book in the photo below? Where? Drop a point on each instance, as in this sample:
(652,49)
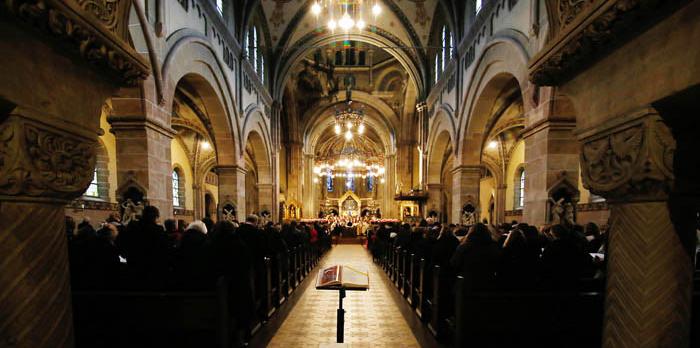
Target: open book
(337,276)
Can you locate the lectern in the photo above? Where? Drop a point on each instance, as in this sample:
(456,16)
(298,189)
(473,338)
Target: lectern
(331,278)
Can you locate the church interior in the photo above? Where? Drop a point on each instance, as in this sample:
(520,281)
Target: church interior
(184,173)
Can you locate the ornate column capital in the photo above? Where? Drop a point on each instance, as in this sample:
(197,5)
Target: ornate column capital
(97,30)
(230,170)
(41,161)
(629,158)
(473,170)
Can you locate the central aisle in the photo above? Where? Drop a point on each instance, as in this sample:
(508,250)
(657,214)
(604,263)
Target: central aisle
(372,318)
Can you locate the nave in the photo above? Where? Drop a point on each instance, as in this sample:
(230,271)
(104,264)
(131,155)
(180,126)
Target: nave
(372,319)
(143,143)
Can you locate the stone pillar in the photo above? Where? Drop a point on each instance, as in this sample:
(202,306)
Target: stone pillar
(265,199)
(198,201)
(294,175)
(405,166)
(434,199)
(51,97)
(308,199)
(629,161)
(550,149)
(275,189)
(500,206)
(389,208)
(232,189)
(44,163)
(465,189)
(143,155)
(276,114)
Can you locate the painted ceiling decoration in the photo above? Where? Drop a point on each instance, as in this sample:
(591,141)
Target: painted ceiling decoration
(290,20)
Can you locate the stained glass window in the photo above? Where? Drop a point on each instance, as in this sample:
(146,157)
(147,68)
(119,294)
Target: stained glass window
(176,188)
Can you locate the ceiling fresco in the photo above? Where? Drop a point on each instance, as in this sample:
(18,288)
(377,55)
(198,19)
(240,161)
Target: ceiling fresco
(417,14)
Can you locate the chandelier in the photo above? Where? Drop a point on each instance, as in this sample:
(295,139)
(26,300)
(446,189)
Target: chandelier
(347,119)
(346,14)
(354,160)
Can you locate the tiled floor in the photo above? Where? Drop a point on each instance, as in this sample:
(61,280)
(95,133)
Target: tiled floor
(372,318)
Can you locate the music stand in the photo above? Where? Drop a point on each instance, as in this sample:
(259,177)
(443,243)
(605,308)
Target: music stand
(340,334)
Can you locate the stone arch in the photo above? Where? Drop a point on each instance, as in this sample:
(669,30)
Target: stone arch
(503,61)
(380,117)
(255,132)
(262,169)
(410,62)
(190,58)
(436,157)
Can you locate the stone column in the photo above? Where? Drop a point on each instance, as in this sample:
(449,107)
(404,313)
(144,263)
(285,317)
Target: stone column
(60,63)
(308,199)
(275,189)
(550,149)
(434,198)
(629,161)
(405,166)
(198,201)
(44,163)
(143,155)
(389,207)
(276,114)
(294,176)
(500,206)
(265,199)
(232,189)
(465,189)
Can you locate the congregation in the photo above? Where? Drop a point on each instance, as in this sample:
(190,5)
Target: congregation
(147,256)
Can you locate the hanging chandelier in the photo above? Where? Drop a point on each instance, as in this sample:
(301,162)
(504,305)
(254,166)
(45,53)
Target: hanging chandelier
(355,159)
(348,167)
(348,119)
(346,14)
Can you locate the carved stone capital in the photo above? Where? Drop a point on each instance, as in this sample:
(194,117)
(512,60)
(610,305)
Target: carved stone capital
(39,161)
(582,32)
(97,30)
(629,158)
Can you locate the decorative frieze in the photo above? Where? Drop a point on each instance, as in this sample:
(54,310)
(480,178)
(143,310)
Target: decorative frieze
(582,31)
(629,158)
(97,30)
(38,160)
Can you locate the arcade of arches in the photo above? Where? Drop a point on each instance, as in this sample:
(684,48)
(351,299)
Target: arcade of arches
(448,111)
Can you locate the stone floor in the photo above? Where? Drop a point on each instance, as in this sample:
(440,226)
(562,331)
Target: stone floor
(372,318)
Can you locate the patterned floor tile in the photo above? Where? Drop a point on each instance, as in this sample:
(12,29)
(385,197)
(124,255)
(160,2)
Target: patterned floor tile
(372,318)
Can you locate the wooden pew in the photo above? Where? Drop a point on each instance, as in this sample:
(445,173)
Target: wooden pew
(527,319)
(410,284)
(419,288)
(133,318)
(282,278)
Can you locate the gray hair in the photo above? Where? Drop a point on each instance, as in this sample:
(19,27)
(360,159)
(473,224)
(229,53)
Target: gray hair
(197,225)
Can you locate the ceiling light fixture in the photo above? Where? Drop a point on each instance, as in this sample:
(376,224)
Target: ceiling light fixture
(345,14)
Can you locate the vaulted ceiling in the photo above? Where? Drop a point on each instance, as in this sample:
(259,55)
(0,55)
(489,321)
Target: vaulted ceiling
(408,20)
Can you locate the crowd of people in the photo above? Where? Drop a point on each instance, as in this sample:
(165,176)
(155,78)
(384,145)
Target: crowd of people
(514,256)
(146,255)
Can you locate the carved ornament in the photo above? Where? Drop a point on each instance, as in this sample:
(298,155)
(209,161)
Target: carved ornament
(37,160)
(584,30)
(629,159)
(96,29)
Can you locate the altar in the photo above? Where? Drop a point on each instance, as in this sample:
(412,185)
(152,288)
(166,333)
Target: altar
(349,205)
